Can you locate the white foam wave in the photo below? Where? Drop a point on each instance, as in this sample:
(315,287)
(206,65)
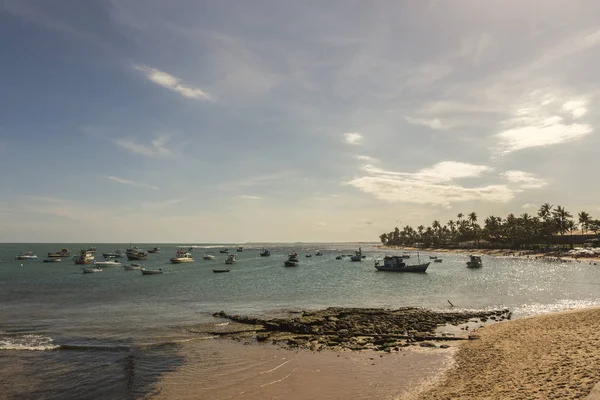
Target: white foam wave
(28,343)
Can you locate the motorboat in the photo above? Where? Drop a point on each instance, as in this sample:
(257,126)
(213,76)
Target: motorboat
(397,264)
(209,256)
(154,250)
(308,255)
(138,255)
(151,271)
(26,255)
(52,260)
(437,260)
(132,267)
(91,250)
(339,257)
(107,263)
(116,254)
(290,263)
(220,270)
(181,257)
(474,262)
(265,253)
(432,257)
(91,270)
(224,251)
(59,254)
(293,256)
(240,249)
(230,259)
(318,253)
(85,257)
(358,256)
(406,255)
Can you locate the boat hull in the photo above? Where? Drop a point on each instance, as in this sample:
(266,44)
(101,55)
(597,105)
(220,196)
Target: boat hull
(407,268)
(151,272)
(474,265)
(131,268)
(220,271)
(52,260)
(181,260)
(91,270)
(108,264)
(290,263)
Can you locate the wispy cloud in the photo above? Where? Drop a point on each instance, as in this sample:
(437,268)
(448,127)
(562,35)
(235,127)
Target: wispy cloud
(248,197)
(525,180)
(354,138)
(528,206)
(543,121)
(159,205)
(369,159)
(173,83)
(131,183)
(433,123)
(155,148)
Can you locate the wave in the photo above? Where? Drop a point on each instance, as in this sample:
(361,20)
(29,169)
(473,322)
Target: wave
(29,342)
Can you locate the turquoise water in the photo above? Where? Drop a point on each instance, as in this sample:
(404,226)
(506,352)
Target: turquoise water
(117,320)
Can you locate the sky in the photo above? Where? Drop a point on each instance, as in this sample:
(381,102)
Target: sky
(237,121)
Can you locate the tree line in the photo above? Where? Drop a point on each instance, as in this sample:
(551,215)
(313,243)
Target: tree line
(509,232)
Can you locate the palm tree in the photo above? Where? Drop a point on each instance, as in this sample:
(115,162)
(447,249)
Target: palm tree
(473,219)
(584,220)
(459,216)
(561,215)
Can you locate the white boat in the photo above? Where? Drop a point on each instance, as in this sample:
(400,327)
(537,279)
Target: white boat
(85,257)
(26,255)
(107,263)
(132,267)
(182,257)
(230,259)
(151,271)
(208,256)
(474,262)
(91,270)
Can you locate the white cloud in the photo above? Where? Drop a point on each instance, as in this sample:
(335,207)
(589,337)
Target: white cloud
(353,138)
(368,159)
(156,147)
(173,83)
(528,206)
(159,205)
(434,185)
(131,183)
(525,180)
(248,197)
(539,122)
(433,123)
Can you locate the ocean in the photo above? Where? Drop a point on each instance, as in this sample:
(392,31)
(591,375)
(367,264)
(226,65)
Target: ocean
(118,334)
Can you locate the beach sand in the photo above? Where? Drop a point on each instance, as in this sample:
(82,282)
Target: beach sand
(554,356)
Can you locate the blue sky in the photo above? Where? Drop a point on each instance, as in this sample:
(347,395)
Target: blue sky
(202,121)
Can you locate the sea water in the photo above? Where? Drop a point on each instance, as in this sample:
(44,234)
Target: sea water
(112,335)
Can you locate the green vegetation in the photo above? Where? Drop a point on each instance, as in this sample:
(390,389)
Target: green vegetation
(547,228)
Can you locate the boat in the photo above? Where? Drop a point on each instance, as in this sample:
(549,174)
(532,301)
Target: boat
(339,257)
(437,260)
(85,257)
(474,262)
(154,250)
(26,255)
(92,250)
(107,263)
(91,270)
(432,257)
(52,260)
(240,249)
(151,271)
(290,263)
(181,257)
(265,253)
(190,249)
(308,255)
(209,256)
(59,254)
(406,255)
(293,256)
(137,255)
(224,251)
(397,264)
(230,259)
(220,270)
(132,267)
(318,253)
(116,254)
(358,256)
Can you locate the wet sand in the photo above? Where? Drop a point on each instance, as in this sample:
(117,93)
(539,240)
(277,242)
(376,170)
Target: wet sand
(554,356)
(225,369)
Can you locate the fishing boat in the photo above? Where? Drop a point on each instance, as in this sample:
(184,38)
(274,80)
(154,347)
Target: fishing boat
(181,257)
(154,250)
(115,254)
(406,255)
(209,256)
(293,256)
(265,253)
(138,255)
(432,257)
(52,260)
(26,255)
(240,249)
(318,253)
(437,260)
(91,270)
(474,262)
(339,257)
(220,270)
(358,256)
(230,259)
(397,264)
(308,255)
(84,258)
(92,250)
(132,267)
(107,263)
(151,271)
(224,251)
(292,260)
(59,254)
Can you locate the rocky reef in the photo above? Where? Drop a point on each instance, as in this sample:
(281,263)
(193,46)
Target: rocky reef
(361,328)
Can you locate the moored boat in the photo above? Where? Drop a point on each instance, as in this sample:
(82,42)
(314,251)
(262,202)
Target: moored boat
(151,271)
(240,249)
(62,253)
(115,254)
(138,255)
(181,257)
(290,263)
(318,253)
(224,251)
(209,256)
(432,257)
(406,255)
(308,255)
(358,256)
(339,257)
(154,250)
(85,257)
(220,270)
(293,256)
(230,259)
(265,253)
(52,260)
(26,255)
(397,264)
(107,263)
(92,250)
(474,262)
(132,267)
(91,270)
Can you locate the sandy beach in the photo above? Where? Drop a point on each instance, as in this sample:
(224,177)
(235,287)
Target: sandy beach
(554,356)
